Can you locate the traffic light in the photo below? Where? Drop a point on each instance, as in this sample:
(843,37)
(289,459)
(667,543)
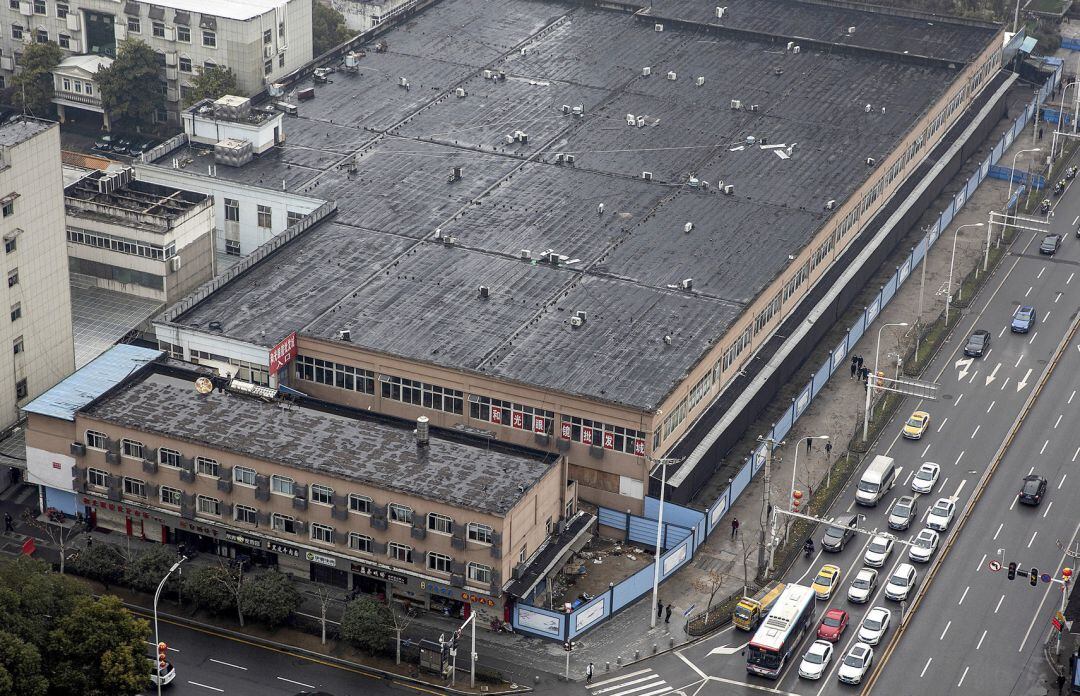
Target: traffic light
(455,639)
(796,500)
(1012,571)
(1066,573)
(1033,577)
(162,652)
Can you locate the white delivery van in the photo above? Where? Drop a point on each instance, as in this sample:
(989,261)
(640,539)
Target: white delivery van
(876,481)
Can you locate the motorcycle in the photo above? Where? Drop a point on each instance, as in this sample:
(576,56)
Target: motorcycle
(1059,187)
(1070,173)
(808,549)
(1045,207)
(501,626)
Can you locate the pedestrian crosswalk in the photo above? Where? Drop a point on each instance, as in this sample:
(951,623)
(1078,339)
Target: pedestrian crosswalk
(643,682)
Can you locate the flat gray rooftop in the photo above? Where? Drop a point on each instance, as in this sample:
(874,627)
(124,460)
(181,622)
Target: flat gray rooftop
(18,130)
(371,451)
(385,153)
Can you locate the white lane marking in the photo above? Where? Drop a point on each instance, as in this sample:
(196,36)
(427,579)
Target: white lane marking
(941,487)
(981,639)
(1002,332)
(923,672)
(662,690)
(1004,383)
(1058,421)
(1045,317)
(212,688)
(1028,291)
(1031,471)
(747,685)
(1064,475)
(1070,278)
(1048,506)
(619,678)
(1030,340)
(962,677)
(945,631)
(958,399)
(975,432)
(999,604)
(1033,535)
(958,489)
(306,686)
(228,664)
(1018,360)
(964,595)
(979,567)
(1040,273)
(912,472)
(972,380)
(998,530)
(926,450)
(1043,449)
(1071,397)
(1013,503)
(1076,454)
(943,422)
(988,353)
(691,665)
(959,457)
(1076,220)
(991,407)
(1057,297)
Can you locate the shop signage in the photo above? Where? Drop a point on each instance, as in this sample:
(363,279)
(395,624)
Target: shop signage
(436,588)
(198,528)
(567,431)
(241,539)
(639,447)
(476,599)
(539,424)
(283,549)
(122,509)
(283,353)
(380,574)
(321,559)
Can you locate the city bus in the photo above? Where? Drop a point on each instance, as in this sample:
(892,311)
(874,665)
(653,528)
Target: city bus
(780,632)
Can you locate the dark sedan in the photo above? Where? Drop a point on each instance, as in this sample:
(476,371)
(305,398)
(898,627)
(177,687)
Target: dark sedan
(1050,244)
(1031,493)
(977,344)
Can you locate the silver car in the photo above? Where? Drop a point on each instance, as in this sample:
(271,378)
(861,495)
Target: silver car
(923,546)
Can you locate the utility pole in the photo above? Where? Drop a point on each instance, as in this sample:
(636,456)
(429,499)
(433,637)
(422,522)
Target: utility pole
(659,541)
(769,519)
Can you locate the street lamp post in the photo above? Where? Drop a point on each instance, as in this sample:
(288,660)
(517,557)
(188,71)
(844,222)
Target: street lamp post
(659,540)
(157,595)
(1012,175)
(952,260)
(795,468)
(873,376)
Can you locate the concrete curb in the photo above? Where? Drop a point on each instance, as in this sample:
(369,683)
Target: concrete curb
(314,656)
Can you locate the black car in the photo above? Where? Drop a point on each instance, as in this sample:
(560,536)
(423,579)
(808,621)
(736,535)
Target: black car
(120,147)
(104,143)
(1050,244)
(138,147)
(977,344)
(1031,493)
(839,532)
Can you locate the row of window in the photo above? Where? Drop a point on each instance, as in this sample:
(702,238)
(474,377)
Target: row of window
(209,506)
(411,391)
(285,485)
(513,415)
(40,8)
(77,86)
(182,33)
(335,374)
(242,370)
(121,245)
(612,437)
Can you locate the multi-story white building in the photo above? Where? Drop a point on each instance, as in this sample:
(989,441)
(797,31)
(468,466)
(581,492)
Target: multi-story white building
(260,40)
(35,332)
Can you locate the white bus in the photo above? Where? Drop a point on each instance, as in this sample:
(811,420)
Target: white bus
(780,632)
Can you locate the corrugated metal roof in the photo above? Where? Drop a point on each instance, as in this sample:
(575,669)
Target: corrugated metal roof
(98,377)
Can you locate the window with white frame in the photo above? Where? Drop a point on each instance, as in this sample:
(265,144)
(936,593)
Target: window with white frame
(401,514)
(322,494)
(480,573)
(511,415)
(359,542)
(438,562)
(205,505)
(264,216)
(322,533)
(232,210)
(281,484)
(131,448)
(170,496)
(246,514)
(209,39)
(96,478)
(480,533)
(360,504)
(183,33)
(207,466)
(440,523)
(169,457)
(95,439)
(522,555)
(243,475)
(411,391)
(399,552)
(134,487)
(335,374)
(283,523)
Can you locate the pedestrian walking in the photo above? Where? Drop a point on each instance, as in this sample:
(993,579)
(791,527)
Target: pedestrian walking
(866,375)
(89,541)
(809,444)
(734,526)
(859,360)
(589,673)
(854,366)
(828,448)
(659,608)
(667,614)
(8,527)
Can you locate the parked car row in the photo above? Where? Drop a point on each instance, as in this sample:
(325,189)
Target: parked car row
(130,146)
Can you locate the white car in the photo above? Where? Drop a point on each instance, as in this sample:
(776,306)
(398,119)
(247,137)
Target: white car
(862,586)
(925,478)
(816,660)
(878,550)
(900,582)
(941,514)
(923,546)
(874,625)
(855,663)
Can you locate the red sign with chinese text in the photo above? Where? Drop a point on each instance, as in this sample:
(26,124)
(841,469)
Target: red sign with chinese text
(283,353)
(586,435)
(609,441)
(567,431)
(639,447)
(496,415)
(518,419)
(539,424)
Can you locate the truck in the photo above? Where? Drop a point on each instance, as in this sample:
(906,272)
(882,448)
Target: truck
(749,612)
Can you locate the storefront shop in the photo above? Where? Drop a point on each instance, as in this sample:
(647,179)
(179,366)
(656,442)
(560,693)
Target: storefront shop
(126,519)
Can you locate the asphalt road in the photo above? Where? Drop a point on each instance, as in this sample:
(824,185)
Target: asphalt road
(979,400)
(208,663)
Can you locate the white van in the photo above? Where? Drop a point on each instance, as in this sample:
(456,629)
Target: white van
(876,481)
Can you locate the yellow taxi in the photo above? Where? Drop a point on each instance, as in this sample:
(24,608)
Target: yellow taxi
(827,578)
(916,425)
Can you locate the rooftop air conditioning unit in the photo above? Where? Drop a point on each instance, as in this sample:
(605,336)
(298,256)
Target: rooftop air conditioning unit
(460,92)
(647,176)
(729,189)
(570,159)
(524,51)
(736,104)
(830,205)
(658,27)
(630,120)
(525,255)
(646,71)
(870,161)
(640,121)
(688,227)
(754,107)
(566,108)
(790,45)
(687,284)
(579,110)
(851,30)
(580,314)
(720,12)
(672,76)
(487,74)
(509,139)
(576,321)
(795,49)
(559,158)
(700,80)
(483,291)
(344,335)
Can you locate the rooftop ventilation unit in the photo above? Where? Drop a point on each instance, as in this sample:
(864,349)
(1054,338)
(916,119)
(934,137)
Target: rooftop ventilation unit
(700,81)
(729,189)
(667,339)
(870,161)
(483,291)
(344,335)
(579,110)
(455,175)
(736,104)
(647,176)
(630,119)
(403,83)
(422,431)
(720,12)
(672,76)
(658,27)
(830,205)
(693,181)
(525,255)
(460,93)
(850,30)
(449,240)
(795,48)
(688,227)
(687,284)
(275,89)
(750,140)
(566,108)
(646,71)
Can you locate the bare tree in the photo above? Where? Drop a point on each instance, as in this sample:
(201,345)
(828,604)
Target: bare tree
(57,534)
(325,595)
(398,620)
(232,578)
(709,584)
(746,551)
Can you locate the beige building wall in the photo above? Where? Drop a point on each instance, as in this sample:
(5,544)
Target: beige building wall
(36,297)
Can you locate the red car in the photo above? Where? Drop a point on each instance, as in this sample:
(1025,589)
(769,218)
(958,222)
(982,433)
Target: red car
(832,625)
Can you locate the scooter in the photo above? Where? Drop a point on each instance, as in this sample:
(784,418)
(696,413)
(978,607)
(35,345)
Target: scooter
(808,549)
(1045,207)
(1059,187)
(1070,173)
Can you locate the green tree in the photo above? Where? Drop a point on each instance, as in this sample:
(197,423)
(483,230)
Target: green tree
(206,587)
(269,598)
(102,562)
(130,87)
(327,28)
(98,649)
(145,571)
(33,84)
(30,595)
(212,83)
(20,667)
(366,624)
